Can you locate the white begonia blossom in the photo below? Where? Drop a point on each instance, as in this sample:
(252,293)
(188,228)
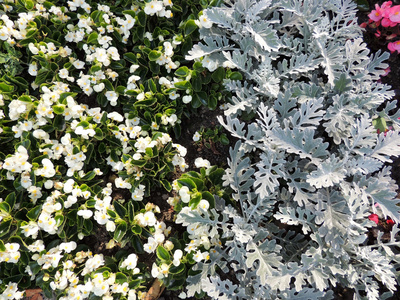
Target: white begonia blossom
(153,7)
(177,256)
(210,64)
(63,73)
(33,71)
(67,247)
(184,194)
(33,49)
(204,21)
(200,163)
(78,64)
(11,292)
(168,49)
(203,204)
(130,262)
(133,68)
(196,136)
(110,226)
(85,213)
(48,184)
(187,99)
(151,245)
(112,97)
(99,87)
(115,116)
(122,184)
(47,170)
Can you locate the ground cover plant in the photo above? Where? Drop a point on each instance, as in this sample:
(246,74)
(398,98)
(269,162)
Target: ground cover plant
(93,95)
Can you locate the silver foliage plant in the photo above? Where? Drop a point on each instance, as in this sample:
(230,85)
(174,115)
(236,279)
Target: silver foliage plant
(308,168)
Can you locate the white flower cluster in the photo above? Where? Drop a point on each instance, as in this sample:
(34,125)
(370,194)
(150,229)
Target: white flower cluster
(11,254)
(201,235)
(11,292)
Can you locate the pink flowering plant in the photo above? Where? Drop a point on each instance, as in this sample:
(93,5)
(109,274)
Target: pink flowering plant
(384,21)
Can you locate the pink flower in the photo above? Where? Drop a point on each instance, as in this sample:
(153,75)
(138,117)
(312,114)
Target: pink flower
(385,22)
(374,217)
(375,15)
(394,14)
(394,46)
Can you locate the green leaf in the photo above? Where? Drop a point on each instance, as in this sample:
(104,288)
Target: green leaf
(120,209)
(154,55)
(187,182)
(189,27)
(2,247)
(201,98)
(120,231)
(195,200)
(236,76)
(212,102)
(129,56)
(131,212)
(218,75)
(111,213)
(120,278)
(4,206)
(92,37)
(29,4)
(90,175)
(176,269)
(216,176)
(33,214)
(10,199)
(141,17)
(136,229)
(59,109)
(166,184)
(5,227)
(152,85)
(162,253)
(6,88)
(182,71)
(183,85)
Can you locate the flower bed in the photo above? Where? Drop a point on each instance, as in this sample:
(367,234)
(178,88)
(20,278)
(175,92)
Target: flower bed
(93,99)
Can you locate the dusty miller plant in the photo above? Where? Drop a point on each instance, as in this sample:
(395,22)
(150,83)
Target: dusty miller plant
(309,166)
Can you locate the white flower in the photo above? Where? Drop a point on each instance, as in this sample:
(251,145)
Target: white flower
(204,22)
(67,247)
(85,213)
(151,245)
(99,87)
(168,49)
(196,137)
(200,163)
(33,69)
(130,262)
(186,99)
(110,226)
(115,116)
(78,64)
(63,73)
(153,7)
(184,194)
(177,256)
(203,204)
(112,97)
(211,65)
